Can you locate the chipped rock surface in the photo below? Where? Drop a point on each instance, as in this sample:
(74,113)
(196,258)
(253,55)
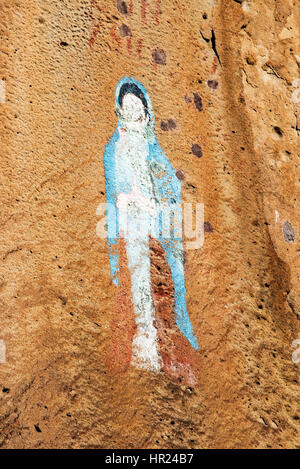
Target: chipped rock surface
(223,76)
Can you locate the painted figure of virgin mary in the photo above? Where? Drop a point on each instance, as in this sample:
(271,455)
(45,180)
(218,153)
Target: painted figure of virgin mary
(151,326)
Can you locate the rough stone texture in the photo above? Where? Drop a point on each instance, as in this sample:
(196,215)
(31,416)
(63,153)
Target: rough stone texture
(60,61)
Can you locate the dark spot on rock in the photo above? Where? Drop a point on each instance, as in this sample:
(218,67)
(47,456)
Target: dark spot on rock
(172,124)
(41,20)
(159,56)
(250,60)
(122,7)
(5,390)
(197,150)
(180,174)
(208,227)
(214,45)
(213,84)
(63,43)
(204,16)
(63,299)
(206,39)
(38,428)
(187,99)
(125,30)
(198,102)
(288,232)
(164,126)
(278,130)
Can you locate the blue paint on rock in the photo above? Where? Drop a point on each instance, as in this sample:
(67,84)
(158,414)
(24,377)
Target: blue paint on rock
(167,188)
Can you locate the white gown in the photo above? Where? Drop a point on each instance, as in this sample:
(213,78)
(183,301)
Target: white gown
(131,157)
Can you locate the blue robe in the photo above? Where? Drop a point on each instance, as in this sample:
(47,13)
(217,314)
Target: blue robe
(167,189)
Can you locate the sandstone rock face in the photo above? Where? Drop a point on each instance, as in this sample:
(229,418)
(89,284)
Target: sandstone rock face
(223,76)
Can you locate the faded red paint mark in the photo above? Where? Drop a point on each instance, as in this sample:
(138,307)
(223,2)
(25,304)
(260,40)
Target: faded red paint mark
(95,33)
(131,7)
(157,11)
(92,41)
(143,10)
(125,31)
(154,63)
(139,47)
(129,44)
(215,65)
(94,3)
(179,358)
(114,35)
(123,326)
(96,23)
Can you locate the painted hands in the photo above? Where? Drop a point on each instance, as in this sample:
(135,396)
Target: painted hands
(136,196)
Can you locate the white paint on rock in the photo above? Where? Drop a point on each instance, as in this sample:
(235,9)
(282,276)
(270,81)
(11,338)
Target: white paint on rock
(296,353)
(2,351)
(296,93)
(137,211)
(245,6)
(2,91)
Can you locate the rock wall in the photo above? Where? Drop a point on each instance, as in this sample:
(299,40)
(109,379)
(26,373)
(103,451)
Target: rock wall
(223,76)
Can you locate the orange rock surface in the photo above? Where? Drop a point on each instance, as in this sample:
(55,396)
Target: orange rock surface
(223,76)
